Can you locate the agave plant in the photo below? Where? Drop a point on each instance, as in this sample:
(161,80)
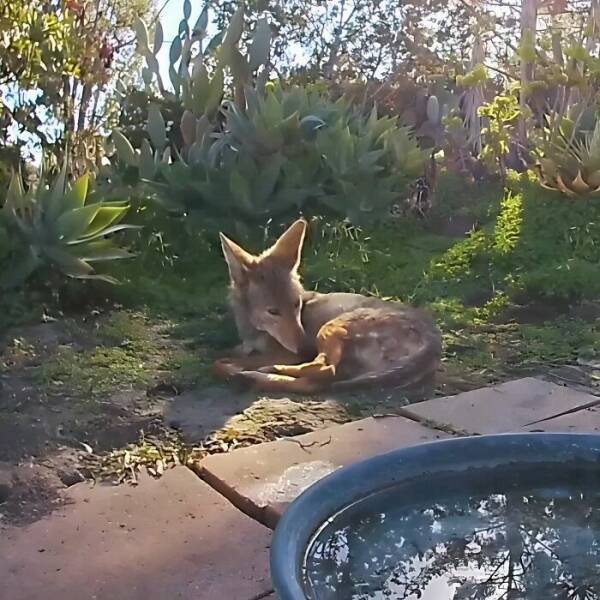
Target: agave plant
(58,226)
(279,120)
(368,165)
(221,184)
(569,159)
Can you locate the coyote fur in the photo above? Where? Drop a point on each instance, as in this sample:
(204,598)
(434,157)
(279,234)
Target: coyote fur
(294,340)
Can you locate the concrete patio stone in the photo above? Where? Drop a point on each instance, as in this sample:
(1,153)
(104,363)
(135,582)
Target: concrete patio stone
(262,480)
(164,539)
(502,408)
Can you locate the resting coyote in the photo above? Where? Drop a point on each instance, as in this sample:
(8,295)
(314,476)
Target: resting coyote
(301,341)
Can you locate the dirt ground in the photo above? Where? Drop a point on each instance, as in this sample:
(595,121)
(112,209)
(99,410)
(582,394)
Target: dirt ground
(99,397)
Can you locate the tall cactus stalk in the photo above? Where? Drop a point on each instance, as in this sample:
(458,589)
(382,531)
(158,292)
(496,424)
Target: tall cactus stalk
(198,89)
(527,56)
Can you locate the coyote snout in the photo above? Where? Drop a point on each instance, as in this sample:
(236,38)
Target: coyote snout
(348,339)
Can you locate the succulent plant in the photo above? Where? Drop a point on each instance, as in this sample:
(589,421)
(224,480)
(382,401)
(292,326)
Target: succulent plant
(276,148)
(569,158)
(58,226)
(369,164)
(197,91)
(278,120)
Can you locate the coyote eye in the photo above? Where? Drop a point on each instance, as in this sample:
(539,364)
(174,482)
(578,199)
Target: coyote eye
(273,311)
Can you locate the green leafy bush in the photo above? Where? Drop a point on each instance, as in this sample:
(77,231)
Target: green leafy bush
(57,226)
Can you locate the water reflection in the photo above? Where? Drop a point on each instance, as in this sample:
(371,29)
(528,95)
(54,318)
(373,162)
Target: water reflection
(542,545)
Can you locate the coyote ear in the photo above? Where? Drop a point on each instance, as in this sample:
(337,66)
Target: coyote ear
(238,260)
(288,248)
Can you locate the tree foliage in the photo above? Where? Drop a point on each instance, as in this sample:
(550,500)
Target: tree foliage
(59,62)
(360,38)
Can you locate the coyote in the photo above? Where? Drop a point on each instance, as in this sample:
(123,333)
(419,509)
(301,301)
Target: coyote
(294,340)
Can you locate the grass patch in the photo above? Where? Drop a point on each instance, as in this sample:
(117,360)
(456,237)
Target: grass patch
(129,351)
(562,341)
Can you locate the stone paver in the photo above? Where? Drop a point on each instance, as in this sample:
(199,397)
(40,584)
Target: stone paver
(262,480)
(165,539)
(506,407)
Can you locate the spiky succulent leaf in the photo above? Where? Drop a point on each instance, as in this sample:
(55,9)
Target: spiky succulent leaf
(53,208)
(73,224)
(49,225)
(76,196)
(125,150)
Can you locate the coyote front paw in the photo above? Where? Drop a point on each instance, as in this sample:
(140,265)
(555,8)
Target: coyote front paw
(226,368)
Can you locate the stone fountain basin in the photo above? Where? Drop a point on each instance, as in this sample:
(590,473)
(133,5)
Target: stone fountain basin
(434,466)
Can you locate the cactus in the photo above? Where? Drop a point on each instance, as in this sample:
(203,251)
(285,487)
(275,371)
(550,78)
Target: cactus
(198,92)
(437,107)
(433,110)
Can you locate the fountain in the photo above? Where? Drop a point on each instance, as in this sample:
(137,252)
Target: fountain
(480,518)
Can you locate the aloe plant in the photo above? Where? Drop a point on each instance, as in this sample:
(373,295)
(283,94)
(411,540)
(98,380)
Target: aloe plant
(57,225)
(569,157)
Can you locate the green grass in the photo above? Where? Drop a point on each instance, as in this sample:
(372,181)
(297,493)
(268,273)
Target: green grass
(128,351)
(562,341)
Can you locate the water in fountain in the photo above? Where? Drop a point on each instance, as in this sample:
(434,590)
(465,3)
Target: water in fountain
(476,536)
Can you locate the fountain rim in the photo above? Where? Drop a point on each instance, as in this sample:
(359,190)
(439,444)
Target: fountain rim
(347,485)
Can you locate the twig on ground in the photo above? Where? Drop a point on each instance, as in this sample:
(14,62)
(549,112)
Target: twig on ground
(310,445)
